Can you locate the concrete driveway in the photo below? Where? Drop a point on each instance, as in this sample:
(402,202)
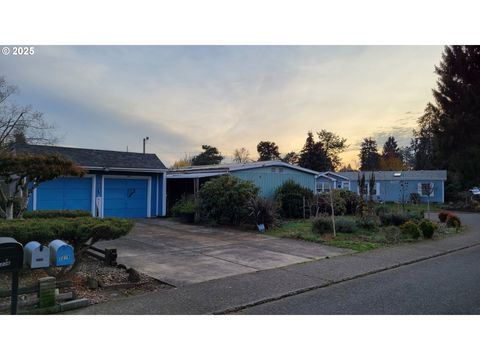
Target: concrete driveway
(181,254)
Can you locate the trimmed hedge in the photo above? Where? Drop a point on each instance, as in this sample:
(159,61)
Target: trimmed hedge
(48,214)
(75,231)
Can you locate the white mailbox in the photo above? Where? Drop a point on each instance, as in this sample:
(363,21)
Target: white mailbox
(36,255)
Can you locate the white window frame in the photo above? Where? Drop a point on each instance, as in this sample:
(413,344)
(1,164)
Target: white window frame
(347,187)
(420,189)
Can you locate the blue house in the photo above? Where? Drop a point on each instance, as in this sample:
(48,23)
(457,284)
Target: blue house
(390,185)
(267,175)
(117,183)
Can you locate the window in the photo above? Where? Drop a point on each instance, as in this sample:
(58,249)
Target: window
(426,189)
(345,185)
(323,187)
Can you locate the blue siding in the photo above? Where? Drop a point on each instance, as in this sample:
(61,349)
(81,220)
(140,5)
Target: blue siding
(390,190)
(268,179)
(65,194)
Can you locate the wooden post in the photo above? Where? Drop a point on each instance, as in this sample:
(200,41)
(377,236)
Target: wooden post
(14,295)
(333,212)
(304,207)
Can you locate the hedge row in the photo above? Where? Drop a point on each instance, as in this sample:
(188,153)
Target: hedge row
(48,214)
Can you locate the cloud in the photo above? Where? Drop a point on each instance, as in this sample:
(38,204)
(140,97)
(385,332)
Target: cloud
(226,96)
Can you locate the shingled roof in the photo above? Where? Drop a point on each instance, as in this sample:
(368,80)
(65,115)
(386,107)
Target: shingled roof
(93,159)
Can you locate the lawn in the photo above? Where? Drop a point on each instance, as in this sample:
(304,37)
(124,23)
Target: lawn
(360,240)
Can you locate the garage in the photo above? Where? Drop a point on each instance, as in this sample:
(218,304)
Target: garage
(65,194)
(126,198)
(115,184)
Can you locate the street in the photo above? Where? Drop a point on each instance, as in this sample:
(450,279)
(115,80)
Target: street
(447,284)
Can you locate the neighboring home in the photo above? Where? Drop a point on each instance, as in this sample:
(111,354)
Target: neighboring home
(267,175)
(117,183)
(390,185)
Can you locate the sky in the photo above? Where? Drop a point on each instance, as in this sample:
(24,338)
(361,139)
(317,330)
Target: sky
(111,97)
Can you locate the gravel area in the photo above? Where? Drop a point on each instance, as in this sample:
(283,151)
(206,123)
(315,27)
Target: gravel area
(113,283)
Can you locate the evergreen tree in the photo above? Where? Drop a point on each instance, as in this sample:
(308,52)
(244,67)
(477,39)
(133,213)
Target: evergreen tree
(209,156)
(369,156)
(425,141)
(267,150)
(313,155)
(457,97)
(391,158)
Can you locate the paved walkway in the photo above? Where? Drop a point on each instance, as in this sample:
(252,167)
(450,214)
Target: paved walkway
(241,291)
(182,254)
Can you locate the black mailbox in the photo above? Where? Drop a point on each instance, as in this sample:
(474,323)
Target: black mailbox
(11,254)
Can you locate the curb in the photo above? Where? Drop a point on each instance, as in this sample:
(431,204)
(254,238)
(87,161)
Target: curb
(238,308)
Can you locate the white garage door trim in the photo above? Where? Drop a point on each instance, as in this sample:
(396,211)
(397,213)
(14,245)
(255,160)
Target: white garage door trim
(94,191)
(127,177)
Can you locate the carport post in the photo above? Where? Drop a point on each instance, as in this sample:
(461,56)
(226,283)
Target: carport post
(196,187)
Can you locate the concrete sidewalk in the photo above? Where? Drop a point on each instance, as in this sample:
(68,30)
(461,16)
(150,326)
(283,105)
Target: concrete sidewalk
(241,291)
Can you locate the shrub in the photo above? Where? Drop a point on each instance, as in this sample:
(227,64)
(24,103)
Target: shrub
(351,199)
(324,203)
(427,228)
(263,211)
(393,234)
(453,221)
(289,198)
(410,229)
(49,214)
(393,218)
(442,216)
(322,225)
(345,225)
(368,222)
(415,198)
(381,209)
(184,209)
(226,199)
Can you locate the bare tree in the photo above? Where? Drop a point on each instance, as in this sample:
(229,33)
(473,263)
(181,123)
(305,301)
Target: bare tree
(241,156)
(20,122)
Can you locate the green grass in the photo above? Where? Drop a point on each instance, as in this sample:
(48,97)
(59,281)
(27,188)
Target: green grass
(412,207)
(361,240)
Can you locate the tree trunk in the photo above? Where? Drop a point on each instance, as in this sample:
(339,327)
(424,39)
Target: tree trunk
(9,210)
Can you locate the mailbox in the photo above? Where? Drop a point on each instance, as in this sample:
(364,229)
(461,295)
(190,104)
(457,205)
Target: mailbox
(11,254)
(36,255)
(61,254)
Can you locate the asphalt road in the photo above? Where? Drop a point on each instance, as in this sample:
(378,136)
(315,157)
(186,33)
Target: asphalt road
(447,284)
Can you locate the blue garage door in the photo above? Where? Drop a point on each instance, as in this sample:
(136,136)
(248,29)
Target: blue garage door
(65,194)
(125,198)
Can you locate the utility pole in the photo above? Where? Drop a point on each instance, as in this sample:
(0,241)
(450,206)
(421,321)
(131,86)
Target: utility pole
(145,139)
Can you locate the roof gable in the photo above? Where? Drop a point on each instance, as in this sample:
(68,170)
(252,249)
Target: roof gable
(92,159)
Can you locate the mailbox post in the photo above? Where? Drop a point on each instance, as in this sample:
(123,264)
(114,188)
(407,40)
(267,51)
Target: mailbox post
(11,260)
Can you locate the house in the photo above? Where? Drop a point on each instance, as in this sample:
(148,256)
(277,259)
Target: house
(267,175)
(393,186)
(117,183)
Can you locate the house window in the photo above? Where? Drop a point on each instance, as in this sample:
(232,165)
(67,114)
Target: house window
(345,185)
(426,189)
(323,187)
